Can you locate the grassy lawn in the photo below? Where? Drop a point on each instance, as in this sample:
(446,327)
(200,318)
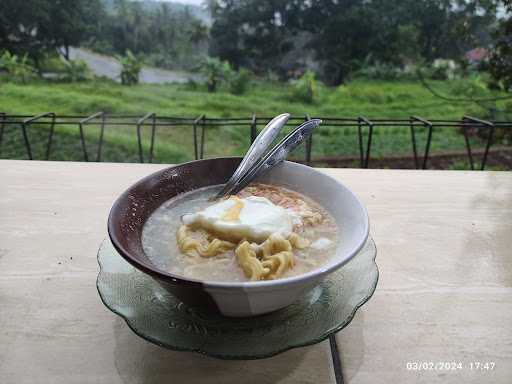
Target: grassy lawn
(373,99)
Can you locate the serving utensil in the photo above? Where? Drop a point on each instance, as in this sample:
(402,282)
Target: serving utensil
(273,157)
(256,150)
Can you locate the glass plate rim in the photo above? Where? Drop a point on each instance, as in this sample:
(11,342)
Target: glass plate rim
(225,356)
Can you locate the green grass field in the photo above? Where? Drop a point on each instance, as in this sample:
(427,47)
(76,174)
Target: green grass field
(373,99)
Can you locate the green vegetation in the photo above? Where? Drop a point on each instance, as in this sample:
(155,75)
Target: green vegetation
(266,57)
(500,63)
(215,71)
(360,97)
(37,27)
(304,89)
(239,81)
(131,67)
(16,67)
(372,99)
(343,36)
(76,70)
(167,35)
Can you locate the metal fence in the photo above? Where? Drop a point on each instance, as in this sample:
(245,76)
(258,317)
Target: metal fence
(365,127)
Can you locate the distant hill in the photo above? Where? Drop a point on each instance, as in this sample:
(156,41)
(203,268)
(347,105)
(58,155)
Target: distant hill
(197,11)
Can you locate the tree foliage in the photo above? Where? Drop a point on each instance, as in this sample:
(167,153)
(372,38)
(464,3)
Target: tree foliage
(239,81)
(77,70)
(500,62)
(35,27)
(304,89)
(215,71)
(164,36)
(344,34)
(131,67)
(253,34)
(16,67)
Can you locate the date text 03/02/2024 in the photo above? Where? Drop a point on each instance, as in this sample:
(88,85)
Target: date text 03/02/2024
(450,365)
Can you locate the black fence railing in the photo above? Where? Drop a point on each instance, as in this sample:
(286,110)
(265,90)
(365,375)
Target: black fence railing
(365,129)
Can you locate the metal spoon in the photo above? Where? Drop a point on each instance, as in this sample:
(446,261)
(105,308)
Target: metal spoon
(257,149)
(277,154)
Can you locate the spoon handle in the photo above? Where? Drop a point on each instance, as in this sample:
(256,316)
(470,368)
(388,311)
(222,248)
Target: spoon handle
(257,149)
(277,154)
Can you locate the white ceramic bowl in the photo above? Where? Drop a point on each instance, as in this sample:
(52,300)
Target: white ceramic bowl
(237,298)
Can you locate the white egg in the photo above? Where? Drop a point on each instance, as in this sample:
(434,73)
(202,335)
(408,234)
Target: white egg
(257,219)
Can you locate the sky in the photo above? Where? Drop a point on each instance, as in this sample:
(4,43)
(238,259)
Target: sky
(195,2)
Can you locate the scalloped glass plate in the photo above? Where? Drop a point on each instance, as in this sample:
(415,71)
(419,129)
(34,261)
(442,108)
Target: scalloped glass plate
(157,316)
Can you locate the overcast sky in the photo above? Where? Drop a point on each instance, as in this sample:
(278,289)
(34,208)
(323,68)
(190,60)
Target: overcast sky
(196,2)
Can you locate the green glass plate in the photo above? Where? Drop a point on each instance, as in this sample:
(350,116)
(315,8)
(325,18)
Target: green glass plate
(157,316)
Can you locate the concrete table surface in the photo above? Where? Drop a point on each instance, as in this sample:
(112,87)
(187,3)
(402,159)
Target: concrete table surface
(442,311)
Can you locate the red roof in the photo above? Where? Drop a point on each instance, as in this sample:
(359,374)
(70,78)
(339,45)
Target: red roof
(477,54)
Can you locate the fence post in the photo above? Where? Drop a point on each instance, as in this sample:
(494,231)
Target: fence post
(364,157)
(428,125)
(309,143)
(26,123)
(2,123)
(253,128)
(81,125)
(194,126)
(202,135)
(140,122)
(153,133)
(490,136)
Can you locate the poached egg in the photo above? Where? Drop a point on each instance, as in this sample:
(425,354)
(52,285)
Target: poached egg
(253,218)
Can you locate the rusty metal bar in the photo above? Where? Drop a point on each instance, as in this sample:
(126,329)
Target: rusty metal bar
(413,142)
(254,131)
(364,157)
(26,123)
(202,136)
(152,144)
(100,144)
(241,120)
(117,120)
(309,143)
(2,124)
(490,136)
(87,121)
(194,125)
(468,147)
(140,122)
(428,125)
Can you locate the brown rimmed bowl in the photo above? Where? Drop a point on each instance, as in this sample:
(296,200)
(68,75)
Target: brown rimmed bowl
(131,210)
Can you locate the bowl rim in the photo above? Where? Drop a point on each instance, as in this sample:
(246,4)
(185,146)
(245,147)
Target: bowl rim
(220,285)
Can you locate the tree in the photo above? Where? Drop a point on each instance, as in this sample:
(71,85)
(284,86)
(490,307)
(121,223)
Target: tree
(36,27)
(356,32)
(215,71)
(346,34)
(253,34)
(72,22)
(130,68)
(449,28)
(20,25)
(500,63)
(351,32)
(163,34)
